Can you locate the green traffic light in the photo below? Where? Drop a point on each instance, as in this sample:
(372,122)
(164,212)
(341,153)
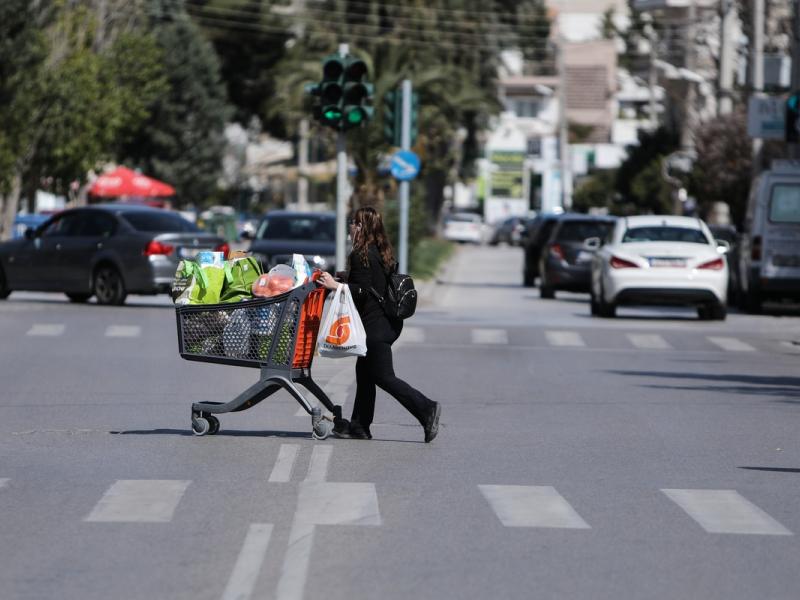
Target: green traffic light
(354,117)
(332,114)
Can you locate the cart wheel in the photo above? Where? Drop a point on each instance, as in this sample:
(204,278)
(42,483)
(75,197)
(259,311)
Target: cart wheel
(214,423)
(200,426)
(322,430)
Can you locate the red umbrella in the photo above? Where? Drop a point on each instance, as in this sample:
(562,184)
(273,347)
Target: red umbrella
(124,182)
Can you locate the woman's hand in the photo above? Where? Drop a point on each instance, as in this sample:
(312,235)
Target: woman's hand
(327,281)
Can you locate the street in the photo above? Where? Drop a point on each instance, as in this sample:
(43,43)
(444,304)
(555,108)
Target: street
(648,456)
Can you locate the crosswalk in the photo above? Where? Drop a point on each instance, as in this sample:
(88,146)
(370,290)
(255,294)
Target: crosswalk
(498,337)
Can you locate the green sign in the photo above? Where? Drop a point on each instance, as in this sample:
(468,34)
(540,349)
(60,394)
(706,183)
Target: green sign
(506,174)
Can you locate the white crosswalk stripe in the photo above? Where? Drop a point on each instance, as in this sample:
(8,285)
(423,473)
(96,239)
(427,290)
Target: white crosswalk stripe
(725,511)
(730,344)
(489,336)
(532,506)
(4,482)
(139,501)
(123,331)
(282,471)
(46,330)
(647,341)
(248,564)
(565,338)
(320,459)
(414,335)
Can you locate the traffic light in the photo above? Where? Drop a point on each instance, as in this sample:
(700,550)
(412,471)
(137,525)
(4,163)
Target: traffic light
(793,118)
(343,97)
(330,91)
(393,117)
(356,93)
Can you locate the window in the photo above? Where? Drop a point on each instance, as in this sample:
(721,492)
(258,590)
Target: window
(582,230)
(297,228)
(159,221)
(96,224)
(62,226)
(784,205)
(664,233)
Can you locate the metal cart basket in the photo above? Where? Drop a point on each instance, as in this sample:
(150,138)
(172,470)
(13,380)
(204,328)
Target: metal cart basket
(277,335)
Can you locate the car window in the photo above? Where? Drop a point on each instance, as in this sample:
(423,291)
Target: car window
(64,225)
(578,231)
(464,218)
(297,228)
(543,234)
(663,233)
(159,221)
(96,224)
(784,206)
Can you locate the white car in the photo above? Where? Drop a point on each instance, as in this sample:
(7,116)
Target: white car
(463,227)
(662,260)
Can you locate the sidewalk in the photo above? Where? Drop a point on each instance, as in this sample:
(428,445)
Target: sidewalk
(428,290)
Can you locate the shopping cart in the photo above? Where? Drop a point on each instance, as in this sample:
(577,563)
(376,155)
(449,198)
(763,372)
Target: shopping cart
(277,335)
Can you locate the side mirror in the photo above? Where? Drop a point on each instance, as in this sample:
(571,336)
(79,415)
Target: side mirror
(30,233)
(592,243)
(723,246)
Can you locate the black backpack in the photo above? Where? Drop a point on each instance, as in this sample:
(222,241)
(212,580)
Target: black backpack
(400,300)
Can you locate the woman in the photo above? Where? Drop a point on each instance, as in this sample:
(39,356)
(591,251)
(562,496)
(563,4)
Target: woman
(370,262)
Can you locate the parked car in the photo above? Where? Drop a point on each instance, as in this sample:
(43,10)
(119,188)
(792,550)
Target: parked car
(538,233)
(565,261)
(282,233)
(463,227)
(662,260)
(508,231)
(107,251)
(769,255)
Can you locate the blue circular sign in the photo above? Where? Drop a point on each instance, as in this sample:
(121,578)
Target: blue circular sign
(405,165)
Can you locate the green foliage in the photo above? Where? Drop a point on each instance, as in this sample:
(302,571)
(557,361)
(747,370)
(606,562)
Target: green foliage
(650,194)
(651,146)
(428,255)
(597,191)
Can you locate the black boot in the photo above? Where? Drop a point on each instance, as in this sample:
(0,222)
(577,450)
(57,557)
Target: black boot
(431,423)
(354,431)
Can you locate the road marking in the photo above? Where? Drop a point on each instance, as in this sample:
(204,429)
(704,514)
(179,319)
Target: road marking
(43,329)
(4,482)
(282,471)
(648,341)
(139,501)
(414,335)
(565,338)
(248,565)
(725,511)
(730,344)
(337,388)
(318,467)
(322,503)
(123,331)
(489,336)
(532,506)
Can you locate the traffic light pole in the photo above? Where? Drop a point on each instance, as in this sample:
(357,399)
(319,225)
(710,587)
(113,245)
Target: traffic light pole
(405,144)
(341,189)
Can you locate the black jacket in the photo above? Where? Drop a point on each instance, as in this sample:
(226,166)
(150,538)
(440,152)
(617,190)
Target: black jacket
(363,276)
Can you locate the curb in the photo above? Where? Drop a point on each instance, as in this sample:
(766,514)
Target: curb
(426,289)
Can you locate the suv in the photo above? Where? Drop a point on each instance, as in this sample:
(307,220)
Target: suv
(566,259)
(282,233)
(538,232)
(769,256)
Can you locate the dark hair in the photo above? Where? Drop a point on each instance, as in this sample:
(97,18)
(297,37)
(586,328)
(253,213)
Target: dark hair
(369,231)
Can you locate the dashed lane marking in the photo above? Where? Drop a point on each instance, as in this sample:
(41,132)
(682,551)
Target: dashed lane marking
(139,501)
(565,338)
(282,471)
(730,344)
(489,336)
(248,564)
(46,330)
(413,335)
(3,482)
(532,506)
(725,511)
(648,341)
(318,466)
(123,331)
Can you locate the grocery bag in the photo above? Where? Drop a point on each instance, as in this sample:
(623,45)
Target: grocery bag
(197,284)
(341,333)
(240,274)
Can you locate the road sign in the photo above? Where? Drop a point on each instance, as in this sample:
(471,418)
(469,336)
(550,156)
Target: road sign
(766,117)
(405,165)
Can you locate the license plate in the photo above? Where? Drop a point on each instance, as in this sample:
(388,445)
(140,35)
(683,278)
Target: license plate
(189,252)
(668,262)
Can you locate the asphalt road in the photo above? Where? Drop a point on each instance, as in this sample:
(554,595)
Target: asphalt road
(648,456)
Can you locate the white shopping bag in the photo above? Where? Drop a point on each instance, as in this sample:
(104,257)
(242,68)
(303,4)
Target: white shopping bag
(341,332)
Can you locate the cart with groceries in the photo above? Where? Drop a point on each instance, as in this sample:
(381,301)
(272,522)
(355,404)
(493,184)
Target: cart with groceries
(229,312)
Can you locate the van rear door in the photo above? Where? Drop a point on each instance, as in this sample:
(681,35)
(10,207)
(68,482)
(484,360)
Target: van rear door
(781,239)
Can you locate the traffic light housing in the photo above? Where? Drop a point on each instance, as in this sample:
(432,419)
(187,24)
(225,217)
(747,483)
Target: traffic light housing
(343,97)
(792,130)
(393,117)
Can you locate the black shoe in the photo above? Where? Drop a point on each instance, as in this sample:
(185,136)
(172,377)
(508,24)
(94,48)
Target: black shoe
(353,432)
(340,426)
(432,423)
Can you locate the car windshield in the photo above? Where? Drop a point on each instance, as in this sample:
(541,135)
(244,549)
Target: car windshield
(297,228)
(784,206)
(579,231)
(664,233)
(159,222)
(463,219)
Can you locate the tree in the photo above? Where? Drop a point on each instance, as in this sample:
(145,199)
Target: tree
(182,141)
(597,191)
(652,145)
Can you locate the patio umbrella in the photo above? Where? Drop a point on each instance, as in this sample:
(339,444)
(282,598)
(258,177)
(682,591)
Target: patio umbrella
(124,182)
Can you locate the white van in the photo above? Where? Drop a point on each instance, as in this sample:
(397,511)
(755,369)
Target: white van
(769,258)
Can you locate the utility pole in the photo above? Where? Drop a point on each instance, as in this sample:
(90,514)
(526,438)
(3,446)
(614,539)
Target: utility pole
(757,72)
(726,53)
(687,129)
(405,144)
(652,76)
(341,188)
(563,132)
(302,167)
(794,149)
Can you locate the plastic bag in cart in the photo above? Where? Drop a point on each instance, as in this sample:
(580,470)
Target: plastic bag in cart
(341,333)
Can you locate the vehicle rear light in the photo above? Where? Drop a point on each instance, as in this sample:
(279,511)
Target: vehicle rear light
(557,251)
(224,248)
(755,251)
(714,265)
(155,248)
(621,263)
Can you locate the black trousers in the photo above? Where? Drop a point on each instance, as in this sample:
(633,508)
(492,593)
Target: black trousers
(376,370)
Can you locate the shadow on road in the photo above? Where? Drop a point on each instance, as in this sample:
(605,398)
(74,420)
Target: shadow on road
(771,469)
(222,433)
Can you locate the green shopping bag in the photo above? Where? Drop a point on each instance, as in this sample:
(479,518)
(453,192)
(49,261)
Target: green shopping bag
(240,274)
(197,284)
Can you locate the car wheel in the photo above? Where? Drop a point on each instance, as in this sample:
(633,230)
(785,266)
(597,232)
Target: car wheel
(718,312)
(78,298)
(108,286)
(594,306)
(704,312)
(607,310)
(4,289)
